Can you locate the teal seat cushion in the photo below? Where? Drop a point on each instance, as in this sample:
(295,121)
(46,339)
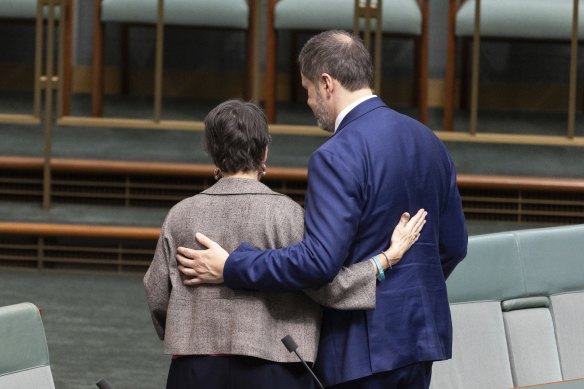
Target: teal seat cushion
(491,271)
(22,339)
(568,312)
(35,378)
(20,9)
(530,19)
(200,13)
(533,351)
(479,350)
(399,16)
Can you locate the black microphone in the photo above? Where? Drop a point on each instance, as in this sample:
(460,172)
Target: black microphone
(291,346)
(103,384)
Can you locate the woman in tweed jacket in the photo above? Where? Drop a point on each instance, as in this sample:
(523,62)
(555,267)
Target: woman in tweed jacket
(223,338)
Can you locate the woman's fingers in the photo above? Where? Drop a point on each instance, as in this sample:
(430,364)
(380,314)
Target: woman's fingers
(417,222)
(405,218)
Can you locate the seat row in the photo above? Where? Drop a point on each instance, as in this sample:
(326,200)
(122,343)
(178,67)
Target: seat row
(499,19)
(517,304)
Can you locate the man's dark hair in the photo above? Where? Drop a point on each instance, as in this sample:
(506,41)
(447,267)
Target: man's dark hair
(236,136)
(340,54)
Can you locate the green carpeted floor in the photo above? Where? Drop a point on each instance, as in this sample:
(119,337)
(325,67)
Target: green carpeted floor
(96,326)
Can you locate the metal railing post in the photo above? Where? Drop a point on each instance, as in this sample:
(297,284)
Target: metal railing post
(573,72)
(47,118)
(476,50)
(159,62)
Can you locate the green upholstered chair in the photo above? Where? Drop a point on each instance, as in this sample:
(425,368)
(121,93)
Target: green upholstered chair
(400,19)
(517,305)
(24,11)
(535,20)
(236,15)
(18,9)
(24,356)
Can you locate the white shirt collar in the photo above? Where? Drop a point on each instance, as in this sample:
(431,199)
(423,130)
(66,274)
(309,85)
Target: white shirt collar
(349,108)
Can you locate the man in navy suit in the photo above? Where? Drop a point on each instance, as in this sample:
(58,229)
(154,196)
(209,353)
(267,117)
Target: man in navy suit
(376,164)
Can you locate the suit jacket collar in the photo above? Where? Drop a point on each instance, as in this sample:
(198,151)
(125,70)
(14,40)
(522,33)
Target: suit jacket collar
(237,186)
(360,110)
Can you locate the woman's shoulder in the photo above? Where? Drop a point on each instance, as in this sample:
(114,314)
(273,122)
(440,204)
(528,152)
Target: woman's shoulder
(285,202)
(186,205)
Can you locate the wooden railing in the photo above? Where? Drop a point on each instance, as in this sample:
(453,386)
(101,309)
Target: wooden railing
(129,249)
(157,184)
(79,230)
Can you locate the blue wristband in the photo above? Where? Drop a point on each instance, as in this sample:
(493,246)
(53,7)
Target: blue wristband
(381,275)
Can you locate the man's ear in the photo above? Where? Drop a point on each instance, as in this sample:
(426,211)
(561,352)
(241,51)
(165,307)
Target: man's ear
(327,83)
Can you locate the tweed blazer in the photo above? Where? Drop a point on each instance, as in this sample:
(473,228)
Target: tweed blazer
(214,319)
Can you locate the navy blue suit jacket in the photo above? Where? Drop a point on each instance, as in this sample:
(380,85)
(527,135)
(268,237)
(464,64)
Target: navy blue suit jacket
(377,165)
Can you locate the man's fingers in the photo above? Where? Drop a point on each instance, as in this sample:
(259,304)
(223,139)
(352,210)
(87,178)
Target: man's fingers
(186,252)
(187,271)
(192,282)
(202,239)
(186,262)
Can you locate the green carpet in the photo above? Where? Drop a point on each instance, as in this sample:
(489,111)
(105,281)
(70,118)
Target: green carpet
(96,326)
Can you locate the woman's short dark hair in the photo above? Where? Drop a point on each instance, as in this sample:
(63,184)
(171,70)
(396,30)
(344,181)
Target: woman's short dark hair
(236,136)
(340,54)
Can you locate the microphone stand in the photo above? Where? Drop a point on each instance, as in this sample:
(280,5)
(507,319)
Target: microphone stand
(291,346)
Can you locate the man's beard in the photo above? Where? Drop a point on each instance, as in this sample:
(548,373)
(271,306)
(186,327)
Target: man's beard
(322,116)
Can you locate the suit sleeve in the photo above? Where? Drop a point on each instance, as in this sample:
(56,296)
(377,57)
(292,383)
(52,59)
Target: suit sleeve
(353,288)
(157,284)
(453,235)
(332,212)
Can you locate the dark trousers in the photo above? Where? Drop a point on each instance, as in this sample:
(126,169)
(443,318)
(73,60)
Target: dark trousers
(414,376)
(236,372)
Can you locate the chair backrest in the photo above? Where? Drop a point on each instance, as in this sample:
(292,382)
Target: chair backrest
(18,9)
(21,10)
(399,16)
(24,355)
(524,19)
(208,13)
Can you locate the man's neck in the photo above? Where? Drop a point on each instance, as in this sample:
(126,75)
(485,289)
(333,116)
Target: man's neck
(356,99)
(345,98)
